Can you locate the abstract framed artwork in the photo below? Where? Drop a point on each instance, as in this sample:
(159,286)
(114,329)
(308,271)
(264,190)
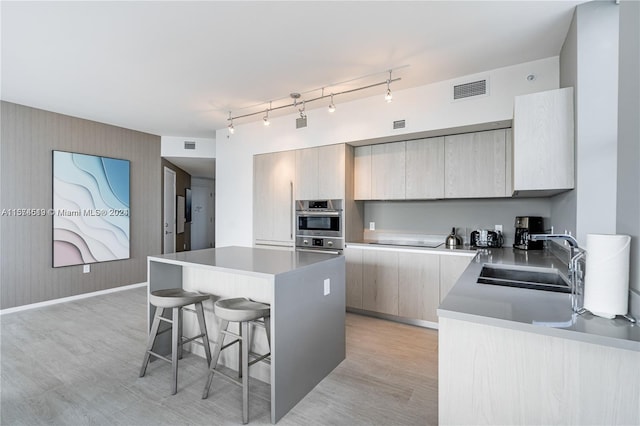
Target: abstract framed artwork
(90,209)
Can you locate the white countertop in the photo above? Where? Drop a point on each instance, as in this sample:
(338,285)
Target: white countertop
(536,311)
(247,260)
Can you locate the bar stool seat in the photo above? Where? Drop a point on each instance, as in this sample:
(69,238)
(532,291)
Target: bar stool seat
(244,312)
(175,299)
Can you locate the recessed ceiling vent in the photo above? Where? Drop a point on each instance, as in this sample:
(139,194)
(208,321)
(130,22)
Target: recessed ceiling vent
(466,90)
(399,124)
(189,145)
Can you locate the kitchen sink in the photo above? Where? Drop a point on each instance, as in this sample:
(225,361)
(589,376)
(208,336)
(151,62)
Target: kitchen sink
(527,277)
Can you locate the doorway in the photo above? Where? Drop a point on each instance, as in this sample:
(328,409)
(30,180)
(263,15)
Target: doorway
(169,230)
(203,213)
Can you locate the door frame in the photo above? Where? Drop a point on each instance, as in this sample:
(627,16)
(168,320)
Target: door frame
(169,205)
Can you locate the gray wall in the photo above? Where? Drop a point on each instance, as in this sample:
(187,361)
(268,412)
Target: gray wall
(628,211)
(439,216)
(589,63)
(28,138)
(563,206)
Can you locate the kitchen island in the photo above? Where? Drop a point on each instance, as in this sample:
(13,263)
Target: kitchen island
(306,292)
(520,356)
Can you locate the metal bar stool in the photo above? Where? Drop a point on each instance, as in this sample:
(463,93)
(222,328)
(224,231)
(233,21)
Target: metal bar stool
(175,299)
(243,311)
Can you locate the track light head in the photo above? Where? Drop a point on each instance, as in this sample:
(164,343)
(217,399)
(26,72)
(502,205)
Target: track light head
(388,97)
(332,106)
(265,119)
(231,128)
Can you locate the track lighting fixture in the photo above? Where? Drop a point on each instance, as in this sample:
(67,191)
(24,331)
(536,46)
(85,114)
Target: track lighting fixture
(265,119)
(231,128)
(388,97)
(296,97)
(332,107)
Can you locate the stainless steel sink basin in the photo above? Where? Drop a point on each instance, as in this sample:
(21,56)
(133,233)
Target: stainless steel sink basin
(532,278)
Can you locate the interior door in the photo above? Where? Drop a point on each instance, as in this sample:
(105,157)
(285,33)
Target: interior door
(169,238)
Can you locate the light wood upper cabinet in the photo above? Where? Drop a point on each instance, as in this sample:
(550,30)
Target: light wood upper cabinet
(476,164)
(451,268)
(380,281)
(306,187)
(320,173)
(353,258)
(543,142)
(362,172)
(424,173)
(388,171)
(273,177)
(418,286)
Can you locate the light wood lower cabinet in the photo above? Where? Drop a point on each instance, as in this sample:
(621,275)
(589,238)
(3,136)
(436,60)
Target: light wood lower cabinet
(405,284)
(353,257)
(451,268)
(380,281)
(502,376)
(418,293)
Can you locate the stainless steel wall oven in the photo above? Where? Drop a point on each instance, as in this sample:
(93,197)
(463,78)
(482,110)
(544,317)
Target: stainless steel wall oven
(319,225)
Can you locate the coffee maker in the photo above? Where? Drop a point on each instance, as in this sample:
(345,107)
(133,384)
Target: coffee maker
(526,225)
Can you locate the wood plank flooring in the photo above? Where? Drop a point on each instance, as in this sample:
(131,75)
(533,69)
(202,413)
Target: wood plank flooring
(77,363)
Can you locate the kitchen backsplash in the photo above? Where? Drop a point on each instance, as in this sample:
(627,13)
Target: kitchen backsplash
(439,216)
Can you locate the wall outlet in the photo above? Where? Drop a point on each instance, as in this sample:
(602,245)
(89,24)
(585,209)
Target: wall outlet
(372,226)
(499,228)
(86,269)
(327,286)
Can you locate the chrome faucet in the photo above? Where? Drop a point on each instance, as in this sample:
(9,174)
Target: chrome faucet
(575,270)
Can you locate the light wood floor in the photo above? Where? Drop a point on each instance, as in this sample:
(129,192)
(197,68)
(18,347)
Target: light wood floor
(77,363)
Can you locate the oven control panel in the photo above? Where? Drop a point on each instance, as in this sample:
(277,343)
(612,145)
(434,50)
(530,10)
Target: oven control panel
(320,242)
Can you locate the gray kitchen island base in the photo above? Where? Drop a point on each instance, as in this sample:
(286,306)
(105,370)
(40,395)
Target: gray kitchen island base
(306,292)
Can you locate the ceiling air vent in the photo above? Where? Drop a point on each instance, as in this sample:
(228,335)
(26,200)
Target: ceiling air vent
(189,145)
(466,90)
(398,124)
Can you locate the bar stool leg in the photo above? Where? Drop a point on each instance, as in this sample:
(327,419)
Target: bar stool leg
(245,372)
(240,329)
(267,327)
(175,340)
(203,330)
(214,358)
(152,339)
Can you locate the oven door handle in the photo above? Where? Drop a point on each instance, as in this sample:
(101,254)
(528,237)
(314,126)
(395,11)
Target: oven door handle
(312,213)
(318,251)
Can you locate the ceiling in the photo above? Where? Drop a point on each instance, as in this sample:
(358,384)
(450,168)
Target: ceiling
(178,68)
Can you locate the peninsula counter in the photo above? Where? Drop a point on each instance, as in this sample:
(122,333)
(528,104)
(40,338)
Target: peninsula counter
(306,292)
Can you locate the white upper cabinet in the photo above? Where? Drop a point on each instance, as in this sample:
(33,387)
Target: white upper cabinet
(320,173)
(424,171)
(543,143)
(387,171)
(476,165)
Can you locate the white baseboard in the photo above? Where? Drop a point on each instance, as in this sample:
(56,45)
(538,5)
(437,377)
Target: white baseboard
(70,298)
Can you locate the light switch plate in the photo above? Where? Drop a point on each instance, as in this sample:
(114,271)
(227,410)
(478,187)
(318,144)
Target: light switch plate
(499,228)
(86,269)
(372,226)
(327,286)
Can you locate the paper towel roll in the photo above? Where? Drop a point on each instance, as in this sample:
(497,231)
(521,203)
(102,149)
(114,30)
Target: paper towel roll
(606,285)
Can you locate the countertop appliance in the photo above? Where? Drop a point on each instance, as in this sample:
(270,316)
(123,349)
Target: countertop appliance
(526,225)
(453,240)
(319,226)
(486,238)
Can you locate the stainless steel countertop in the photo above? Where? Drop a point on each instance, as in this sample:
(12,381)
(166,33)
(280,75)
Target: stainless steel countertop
(534,311)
